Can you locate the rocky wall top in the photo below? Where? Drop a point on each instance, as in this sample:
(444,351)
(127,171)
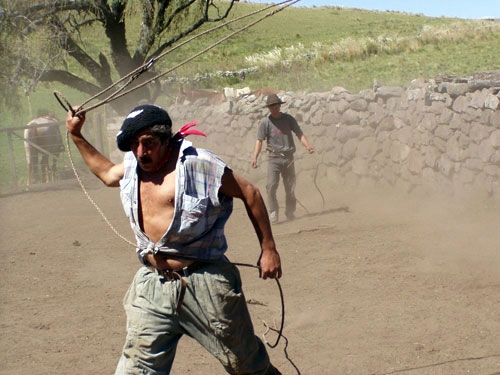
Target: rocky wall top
(441,134)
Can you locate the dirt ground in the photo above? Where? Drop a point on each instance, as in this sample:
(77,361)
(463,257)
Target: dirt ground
(377,283)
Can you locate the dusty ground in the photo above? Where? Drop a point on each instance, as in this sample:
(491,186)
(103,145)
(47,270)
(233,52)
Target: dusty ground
(373,284)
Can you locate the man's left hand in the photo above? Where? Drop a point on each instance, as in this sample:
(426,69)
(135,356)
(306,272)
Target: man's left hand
(270,264)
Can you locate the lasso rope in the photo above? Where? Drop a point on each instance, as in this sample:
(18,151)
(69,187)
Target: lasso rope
(280,330)
(85,191)
(145,67)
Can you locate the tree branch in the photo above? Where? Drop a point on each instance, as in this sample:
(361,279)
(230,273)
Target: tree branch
(69,79)
(74,50)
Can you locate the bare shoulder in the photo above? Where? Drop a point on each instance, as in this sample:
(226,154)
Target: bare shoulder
(235,185)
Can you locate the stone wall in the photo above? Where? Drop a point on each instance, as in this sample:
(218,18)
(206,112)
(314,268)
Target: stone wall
(434,135)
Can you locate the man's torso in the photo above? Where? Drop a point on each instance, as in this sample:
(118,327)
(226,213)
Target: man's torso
(279,133)
(156,207)
(165,212)
(156,210)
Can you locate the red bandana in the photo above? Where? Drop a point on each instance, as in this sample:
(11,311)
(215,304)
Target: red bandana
(183,132)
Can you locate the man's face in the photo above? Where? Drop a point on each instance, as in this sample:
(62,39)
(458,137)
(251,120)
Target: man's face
(275,109)
(148,150)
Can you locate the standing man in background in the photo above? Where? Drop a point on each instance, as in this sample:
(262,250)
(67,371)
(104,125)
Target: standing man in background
(277,129)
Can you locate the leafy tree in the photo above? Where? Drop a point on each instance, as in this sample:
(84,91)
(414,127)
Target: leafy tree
(52,40)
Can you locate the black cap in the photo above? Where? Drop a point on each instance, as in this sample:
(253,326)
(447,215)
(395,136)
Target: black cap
(140,118)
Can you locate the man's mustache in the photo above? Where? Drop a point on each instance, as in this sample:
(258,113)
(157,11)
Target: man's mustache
(144,159)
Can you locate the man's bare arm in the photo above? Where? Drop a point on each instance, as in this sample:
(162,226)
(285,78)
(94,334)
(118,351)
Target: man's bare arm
(256,152)
(306,144)
(104,169)
(236,186)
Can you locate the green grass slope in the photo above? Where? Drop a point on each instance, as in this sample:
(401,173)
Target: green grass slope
(313,49)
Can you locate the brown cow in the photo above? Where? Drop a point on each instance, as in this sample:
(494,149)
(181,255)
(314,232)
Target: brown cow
(212,97)
(265,91)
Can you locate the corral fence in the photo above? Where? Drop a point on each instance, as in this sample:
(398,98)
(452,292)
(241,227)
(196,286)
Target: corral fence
(14,164)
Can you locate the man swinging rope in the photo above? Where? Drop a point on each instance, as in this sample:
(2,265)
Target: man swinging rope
(178,199)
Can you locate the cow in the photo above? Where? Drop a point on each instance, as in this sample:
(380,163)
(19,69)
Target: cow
(212,97)
(265,91)
(230,92)
(44,142)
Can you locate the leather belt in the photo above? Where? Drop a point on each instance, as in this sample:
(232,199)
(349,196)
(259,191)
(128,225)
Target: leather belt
(285,155)
(175,274)
(172,275)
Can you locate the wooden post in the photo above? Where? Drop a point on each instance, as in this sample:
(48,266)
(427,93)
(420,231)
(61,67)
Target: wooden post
(12,159)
